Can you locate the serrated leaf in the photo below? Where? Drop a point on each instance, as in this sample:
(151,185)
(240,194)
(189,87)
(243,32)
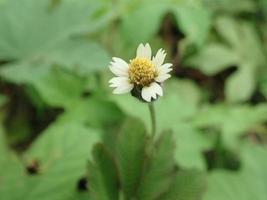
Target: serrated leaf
(103,176)
(160,165)
(130,148)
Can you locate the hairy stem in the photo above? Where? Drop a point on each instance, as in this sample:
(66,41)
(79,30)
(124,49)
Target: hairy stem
(153,119)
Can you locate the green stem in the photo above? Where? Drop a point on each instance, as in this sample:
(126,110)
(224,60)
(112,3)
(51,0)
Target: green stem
(153,119)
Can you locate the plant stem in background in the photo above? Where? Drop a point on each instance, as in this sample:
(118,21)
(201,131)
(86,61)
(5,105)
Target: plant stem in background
(153,118)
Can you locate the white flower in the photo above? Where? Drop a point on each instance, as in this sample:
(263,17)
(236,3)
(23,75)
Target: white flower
(142,72)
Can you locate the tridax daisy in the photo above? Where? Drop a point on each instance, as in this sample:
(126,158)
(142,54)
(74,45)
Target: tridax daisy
(142,74)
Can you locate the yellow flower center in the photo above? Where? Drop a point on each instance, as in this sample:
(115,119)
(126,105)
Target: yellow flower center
(142,71)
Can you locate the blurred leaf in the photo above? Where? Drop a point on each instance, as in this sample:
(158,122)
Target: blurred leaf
(56,86)
(62,152)
(244,50)
(157,176)
(178,105)
(131,154)
(12,176)
(81,56)
(94,111)
(35,30)
(228,6)
(187,185)
(103,177)
(240,86)
(249,183)
(213,58)
(148,15)
(190,145)
(194,22)
(3,100)
(179,102)
(232,120)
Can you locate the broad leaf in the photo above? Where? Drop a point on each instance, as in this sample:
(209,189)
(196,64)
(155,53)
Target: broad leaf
(38,30)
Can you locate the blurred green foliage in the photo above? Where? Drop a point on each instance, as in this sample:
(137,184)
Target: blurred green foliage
(63,135)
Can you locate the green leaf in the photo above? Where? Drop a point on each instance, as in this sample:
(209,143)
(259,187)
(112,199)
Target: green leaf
(42,32)
(81,56)
(56,86)
(94,111)
(62,151)
(249,183)
(150,15)
(190,145)
(160,165)
(131,154)
(187,185)
(241,85)
(3,100)
(195,22)
(29,17)
(180,101)
(232,120)
(227,6)
(103,177)
(213,58)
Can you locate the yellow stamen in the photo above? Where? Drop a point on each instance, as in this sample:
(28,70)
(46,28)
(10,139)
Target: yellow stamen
(142,71)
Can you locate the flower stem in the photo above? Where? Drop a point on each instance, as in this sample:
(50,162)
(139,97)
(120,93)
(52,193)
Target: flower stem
(153,119)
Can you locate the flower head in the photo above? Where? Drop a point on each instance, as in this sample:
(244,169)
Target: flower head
(143,73)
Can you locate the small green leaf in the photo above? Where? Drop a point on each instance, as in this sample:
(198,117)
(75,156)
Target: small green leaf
(160,165)
(103,176)
(131,155)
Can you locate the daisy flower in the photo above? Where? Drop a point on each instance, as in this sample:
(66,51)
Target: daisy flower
(143,74)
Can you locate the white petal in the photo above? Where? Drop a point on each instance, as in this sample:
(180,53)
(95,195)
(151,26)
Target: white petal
(164,69)
(162,77)
(159,58)
(121,84)
(119,81)
(146,95)
(119,67)
(157,89)
(144,51)
(123,89)
(151,92)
